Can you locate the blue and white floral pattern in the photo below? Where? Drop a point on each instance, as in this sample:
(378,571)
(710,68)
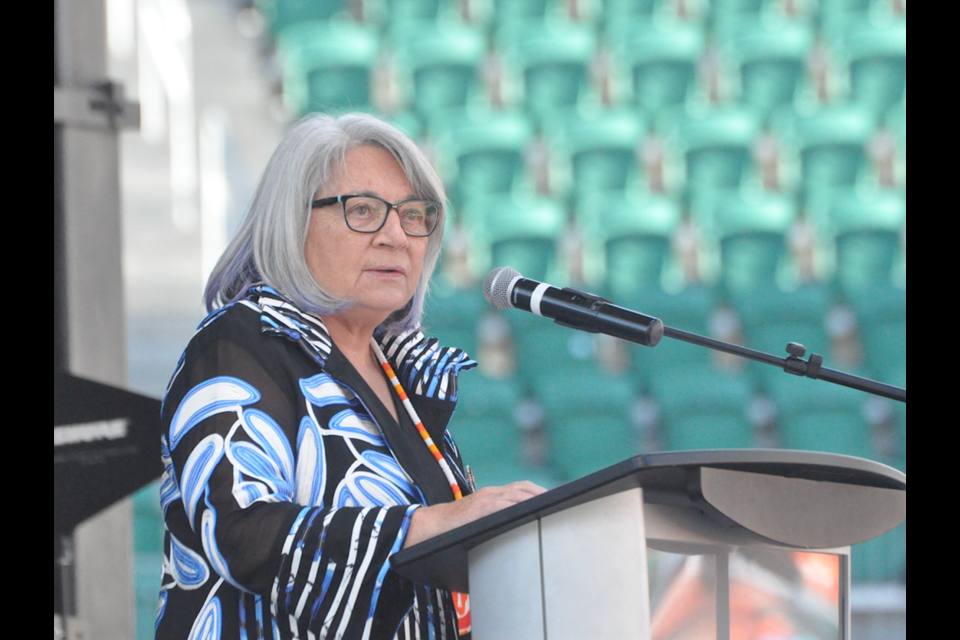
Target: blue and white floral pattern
(225,455)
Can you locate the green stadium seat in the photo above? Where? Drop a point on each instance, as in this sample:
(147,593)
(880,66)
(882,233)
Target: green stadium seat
(488,437)
(717,146)
(509,13)
(451,315)
(702,408)
(327,66)
(662,58)
(689,311)
(772,319)
(484,426)
(820,416)
(882,559)
(867,227)
(636,234)
(838,17)
(882,314)
(281,14)
(543,346)
(148,536)
(752,230)
(418,11)
(897,125)
(554,60)
(408,122)
(521,232)
(486,148)
(738,9)
(878,64)
(617,12)
(772,59)
(442,61)
(589,421)
(602,149)
(832,145)
(899,379)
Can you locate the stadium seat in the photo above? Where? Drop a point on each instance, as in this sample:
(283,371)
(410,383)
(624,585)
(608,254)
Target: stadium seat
(617,12)
(867,227)
(602,150)
(717,146)
(451,315)
(636,233)
(882,559)
(882,314)
(406,11)
(521,232)
(327,66)
(554,60)
(752,231)
(486,148)
(837,17)
(281,14)
(689,311)
(819,416)
(148,536)
(897,125)
(772,59)
(442,61)
(702,408)
(588,418)
(662,58)
(772,319)
(877,54)
(484,426)
(832,146)
(510,13)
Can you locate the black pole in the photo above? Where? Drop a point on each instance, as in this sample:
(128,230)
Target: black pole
(794,364)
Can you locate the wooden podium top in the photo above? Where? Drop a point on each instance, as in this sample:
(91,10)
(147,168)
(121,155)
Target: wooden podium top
(791,499)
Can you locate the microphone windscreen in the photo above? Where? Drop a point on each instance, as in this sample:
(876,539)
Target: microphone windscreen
(496,286)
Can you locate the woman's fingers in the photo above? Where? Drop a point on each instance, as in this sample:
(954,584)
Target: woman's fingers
(429,522)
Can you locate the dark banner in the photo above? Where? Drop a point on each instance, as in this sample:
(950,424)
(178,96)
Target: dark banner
(106,445)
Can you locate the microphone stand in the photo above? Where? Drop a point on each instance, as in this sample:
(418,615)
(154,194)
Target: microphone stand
(794,364)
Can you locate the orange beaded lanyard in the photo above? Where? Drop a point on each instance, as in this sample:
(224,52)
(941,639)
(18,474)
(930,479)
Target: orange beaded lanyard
(461,600)
(454,485)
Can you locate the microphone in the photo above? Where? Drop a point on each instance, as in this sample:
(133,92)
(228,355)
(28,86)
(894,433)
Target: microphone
(505,288)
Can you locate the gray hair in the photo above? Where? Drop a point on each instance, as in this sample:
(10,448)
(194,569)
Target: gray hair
(269,246)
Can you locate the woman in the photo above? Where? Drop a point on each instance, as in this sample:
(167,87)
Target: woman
(295,467)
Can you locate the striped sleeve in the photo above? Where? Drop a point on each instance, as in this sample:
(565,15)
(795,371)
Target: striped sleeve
(334,579)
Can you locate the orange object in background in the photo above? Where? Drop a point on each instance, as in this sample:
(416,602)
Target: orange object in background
(773,596)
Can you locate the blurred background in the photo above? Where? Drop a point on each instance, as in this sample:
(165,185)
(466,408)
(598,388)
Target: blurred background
(736,168)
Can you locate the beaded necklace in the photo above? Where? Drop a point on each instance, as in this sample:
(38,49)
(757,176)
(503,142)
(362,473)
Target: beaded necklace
(461,600)
(454,485)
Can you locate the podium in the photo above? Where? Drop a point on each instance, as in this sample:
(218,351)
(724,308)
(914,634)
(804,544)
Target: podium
(672,545)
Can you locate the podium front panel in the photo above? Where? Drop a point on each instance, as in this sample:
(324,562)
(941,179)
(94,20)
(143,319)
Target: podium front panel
(506,592)
(595,570)
(580,574)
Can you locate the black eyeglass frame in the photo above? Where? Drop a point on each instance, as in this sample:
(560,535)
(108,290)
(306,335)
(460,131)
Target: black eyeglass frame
(326,202)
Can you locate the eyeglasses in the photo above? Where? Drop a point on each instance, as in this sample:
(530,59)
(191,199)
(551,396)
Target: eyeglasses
(368,214)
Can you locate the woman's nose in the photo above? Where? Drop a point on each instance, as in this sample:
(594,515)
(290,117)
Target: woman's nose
(393,230)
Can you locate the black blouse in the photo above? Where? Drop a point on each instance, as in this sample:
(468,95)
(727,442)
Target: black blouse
(289,485)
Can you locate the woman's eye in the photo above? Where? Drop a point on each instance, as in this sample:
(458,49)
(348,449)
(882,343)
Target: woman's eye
(361,210)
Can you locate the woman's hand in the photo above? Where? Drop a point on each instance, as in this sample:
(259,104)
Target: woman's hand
(429,522)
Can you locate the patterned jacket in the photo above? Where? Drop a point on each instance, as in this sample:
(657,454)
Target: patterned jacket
(289,485)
